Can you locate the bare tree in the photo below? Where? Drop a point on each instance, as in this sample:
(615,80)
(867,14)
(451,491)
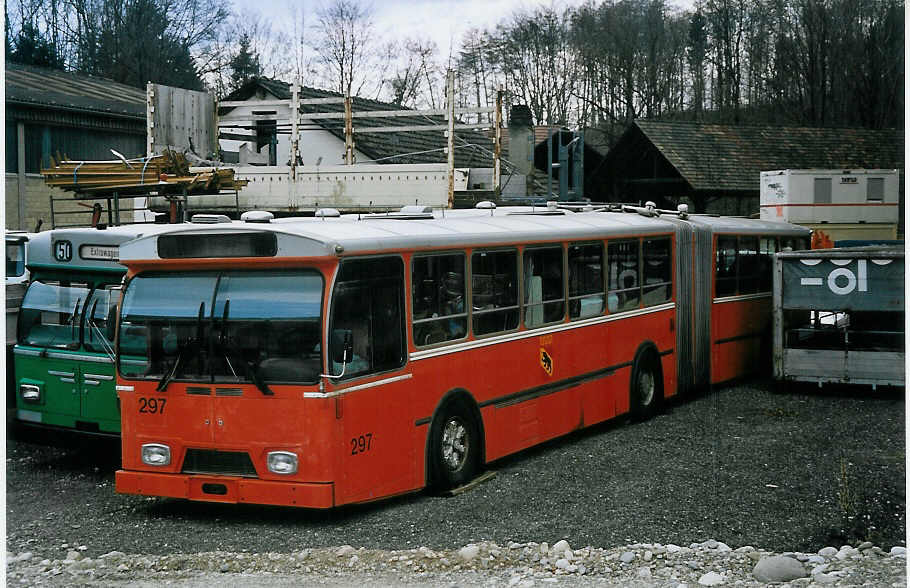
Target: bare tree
(347,49)
(415,80)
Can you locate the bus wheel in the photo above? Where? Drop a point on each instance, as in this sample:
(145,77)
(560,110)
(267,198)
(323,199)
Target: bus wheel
(646,390)
(455,447)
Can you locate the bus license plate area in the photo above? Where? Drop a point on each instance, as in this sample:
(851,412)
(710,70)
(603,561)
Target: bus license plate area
(213,489)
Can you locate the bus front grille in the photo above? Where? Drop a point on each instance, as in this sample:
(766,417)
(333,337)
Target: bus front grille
(223,463)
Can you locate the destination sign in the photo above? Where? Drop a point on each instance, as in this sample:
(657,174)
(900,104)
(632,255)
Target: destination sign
(100,252)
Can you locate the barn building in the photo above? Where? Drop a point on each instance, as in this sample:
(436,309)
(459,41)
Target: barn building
(715,168)
(51,112)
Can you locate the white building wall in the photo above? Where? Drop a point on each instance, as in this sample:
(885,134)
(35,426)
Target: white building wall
(316,144)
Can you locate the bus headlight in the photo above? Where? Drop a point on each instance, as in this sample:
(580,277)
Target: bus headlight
(156,454)
(282,462)
(30,392)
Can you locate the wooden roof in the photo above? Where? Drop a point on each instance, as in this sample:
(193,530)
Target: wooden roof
(472,148)
(711,157)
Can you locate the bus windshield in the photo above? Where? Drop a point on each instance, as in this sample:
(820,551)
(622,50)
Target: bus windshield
(49,316)
(223,327)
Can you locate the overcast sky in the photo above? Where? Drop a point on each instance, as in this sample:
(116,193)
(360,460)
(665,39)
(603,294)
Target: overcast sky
(443,21)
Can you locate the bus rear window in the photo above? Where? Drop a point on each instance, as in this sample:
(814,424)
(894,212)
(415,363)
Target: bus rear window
(15,259)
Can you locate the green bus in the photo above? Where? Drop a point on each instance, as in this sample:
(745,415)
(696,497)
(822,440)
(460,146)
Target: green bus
(63,357)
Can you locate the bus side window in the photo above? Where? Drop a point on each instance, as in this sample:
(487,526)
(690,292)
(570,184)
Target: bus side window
(623,289)
(369,302)
(725,269)
(494,291)
(544,295)
(438,294)
(748,278)
(766,250)
(657,272)
(586,282)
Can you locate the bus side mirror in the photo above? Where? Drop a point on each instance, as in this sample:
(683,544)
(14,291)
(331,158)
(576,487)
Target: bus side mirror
(342,345)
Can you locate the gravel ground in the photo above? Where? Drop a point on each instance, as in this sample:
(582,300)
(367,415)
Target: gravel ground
(745,466)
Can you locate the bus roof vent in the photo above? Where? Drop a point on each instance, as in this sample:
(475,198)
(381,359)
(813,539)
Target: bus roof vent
(327,213)
(209,219)
(257,216)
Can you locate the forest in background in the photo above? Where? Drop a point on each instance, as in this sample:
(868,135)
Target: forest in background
(832,63)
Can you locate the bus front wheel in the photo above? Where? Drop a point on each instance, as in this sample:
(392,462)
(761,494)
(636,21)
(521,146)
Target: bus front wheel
(646,385)
(455,447)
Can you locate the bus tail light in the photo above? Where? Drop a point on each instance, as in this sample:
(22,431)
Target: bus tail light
(156,454)
(30,392)
(282,462)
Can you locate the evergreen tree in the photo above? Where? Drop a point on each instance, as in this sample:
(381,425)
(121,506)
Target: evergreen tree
(31,48)
(245,63)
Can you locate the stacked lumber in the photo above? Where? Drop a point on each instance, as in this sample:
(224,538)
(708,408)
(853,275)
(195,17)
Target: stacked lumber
(169,172)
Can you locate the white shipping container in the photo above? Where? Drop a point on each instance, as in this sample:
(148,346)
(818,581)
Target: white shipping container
(821,196)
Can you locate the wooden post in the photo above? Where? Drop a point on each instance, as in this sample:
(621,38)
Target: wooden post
(497,146)
(295,133)
(149,118)
(20,176)
(348,132)
(450,133)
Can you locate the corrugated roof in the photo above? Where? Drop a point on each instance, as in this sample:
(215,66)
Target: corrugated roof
(472,148)
(51,88)
(722,157)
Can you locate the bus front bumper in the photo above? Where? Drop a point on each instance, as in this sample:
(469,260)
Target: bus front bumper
(226,489)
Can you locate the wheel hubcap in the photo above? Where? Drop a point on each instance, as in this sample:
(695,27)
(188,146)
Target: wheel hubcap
(646,386)
(454,444)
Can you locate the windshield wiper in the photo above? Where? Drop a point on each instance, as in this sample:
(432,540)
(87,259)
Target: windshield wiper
(250,368)
(168,376)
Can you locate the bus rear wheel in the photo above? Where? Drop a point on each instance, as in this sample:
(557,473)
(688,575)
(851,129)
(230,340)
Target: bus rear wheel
(646,391)
(455,447)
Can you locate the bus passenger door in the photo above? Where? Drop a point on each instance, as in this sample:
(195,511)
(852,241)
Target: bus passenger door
(367,344)
(98,400)
(377,443)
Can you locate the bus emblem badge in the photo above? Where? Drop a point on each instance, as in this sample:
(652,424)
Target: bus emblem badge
(546,362)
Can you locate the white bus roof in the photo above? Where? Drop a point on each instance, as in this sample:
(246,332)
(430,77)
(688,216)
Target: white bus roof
(459,229)
(82,240)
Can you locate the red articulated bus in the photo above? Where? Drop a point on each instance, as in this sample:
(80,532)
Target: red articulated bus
(317,364)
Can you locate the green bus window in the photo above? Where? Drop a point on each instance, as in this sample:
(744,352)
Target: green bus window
(657,271)
(544,295)
(494,291)
(438,295)
(586,282)
(368,303)
(725,268)
(99,320)
(623,286)
(49,316)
